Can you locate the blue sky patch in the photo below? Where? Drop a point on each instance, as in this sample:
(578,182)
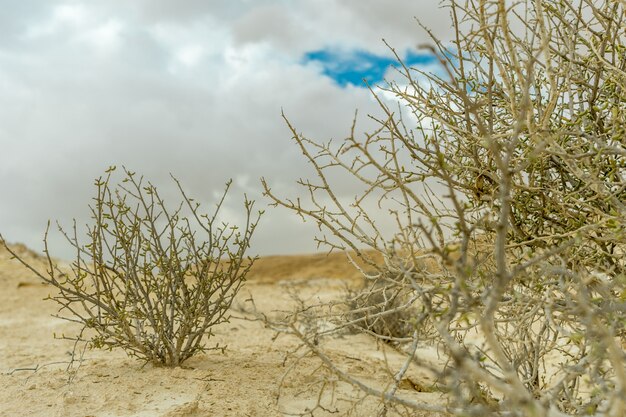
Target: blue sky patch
(354,66)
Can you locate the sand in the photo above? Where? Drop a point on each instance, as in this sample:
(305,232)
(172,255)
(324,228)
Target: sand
(246,380)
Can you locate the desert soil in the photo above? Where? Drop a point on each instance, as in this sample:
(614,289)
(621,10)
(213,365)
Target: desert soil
(247,379)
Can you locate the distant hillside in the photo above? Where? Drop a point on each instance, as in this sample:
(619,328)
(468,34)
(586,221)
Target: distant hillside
(322,265)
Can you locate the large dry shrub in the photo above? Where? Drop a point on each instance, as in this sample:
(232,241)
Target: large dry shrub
(508,170)
(151,279)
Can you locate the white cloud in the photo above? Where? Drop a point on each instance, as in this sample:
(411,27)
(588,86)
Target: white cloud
(106,35)
(62,16)
(190,55)
(71,13)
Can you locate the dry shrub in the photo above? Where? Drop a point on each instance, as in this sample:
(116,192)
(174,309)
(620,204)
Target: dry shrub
(508,170)
(382,310)
(388,310)
(146,282)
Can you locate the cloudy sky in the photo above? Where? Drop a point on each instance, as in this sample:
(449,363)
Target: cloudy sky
(191,87)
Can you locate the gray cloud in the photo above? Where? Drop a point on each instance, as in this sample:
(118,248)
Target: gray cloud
(16,18)
(310,24)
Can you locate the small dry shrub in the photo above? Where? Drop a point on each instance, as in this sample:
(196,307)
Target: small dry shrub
(146,282)
(386,309)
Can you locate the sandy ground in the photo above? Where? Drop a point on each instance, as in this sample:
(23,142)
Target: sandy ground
(246,380)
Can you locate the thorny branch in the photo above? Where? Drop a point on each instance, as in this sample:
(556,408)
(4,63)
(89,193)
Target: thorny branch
(507,195)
